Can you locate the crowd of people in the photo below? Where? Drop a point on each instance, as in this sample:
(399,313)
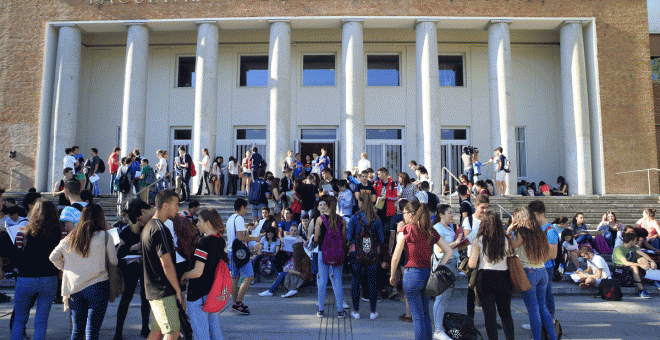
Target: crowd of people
(307,228)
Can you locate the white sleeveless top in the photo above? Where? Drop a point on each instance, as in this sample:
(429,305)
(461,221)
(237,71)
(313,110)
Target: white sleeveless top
(485,263)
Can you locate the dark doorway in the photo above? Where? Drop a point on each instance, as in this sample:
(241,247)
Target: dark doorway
(310,148)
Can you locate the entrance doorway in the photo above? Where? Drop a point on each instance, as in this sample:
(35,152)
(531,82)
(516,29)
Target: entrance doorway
(312,140)
(453,141)
(309,148)
(179,136)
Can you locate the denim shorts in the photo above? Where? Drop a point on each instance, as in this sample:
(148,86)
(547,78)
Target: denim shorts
(245,271)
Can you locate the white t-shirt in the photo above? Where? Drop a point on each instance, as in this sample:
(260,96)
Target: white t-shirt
(233,167)
(234,223)
(163,168)
(448,234)
(363,164)
(170,225)
(270,247)
(256,232)
(599,263)
(69,162)
(207,167)
(474,230)
(422,197)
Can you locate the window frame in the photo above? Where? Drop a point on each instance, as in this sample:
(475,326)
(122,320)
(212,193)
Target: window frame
(519,158)
(177,68)
(651,60)
(383,143)
(366,68)
(302,69)
(463,59)
(250,142)
(238,73)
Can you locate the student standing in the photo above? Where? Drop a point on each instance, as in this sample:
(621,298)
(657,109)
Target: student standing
(417,238)
(113,164)
(232,182)
(82,257)
(471,230)
(206,173)
(37,277)
(210,251)
(162,287)
(236,230)
(538,209)
(182,166)
(532,247)
(488,256)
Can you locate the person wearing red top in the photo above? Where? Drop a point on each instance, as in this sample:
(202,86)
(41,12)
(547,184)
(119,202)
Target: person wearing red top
(113,163)
(418,238)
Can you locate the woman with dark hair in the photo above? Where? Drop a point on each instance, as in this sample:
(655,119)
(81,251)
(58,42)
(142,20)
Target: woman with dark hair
(232,175)
(610,227)
(418,238)
(580,229)
(364,224)
(139,213)
(37,277)
(488,255)
(408,189)
(443,224)
(301,271)
(82,257)
(276,196)
(533,250)
(562,189)
(333,227)
(209,252)
(568,242)
(218,176)
(649,223)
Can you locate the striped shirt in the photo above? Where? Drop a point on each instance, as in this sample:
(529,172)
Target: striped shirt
(71,214)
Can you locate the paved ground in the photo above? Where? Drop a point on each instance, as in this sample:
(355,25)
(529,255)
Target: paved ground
(582,317)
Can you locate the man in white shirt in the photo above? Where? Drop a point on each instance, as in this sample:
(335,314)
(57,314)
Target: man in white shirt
(470,231)
(236,230)
(69,160)
(363,163)
(206,173)
(596,271)
(161,170)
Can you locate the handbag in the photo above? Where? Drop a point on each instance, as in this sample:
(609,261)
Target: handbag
(440,280)
(240,253)
(115,280)
(519,279)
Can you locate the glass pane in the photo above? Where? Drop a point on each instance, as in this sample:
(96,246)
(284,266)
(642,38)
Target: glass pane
(383,70)
(186,72)
(393,159)
(655,68)
(240,151)
(318,134)
(450,70)
(457,134)
(182,134)
(383,133)
(456,162)
(319,70)
(250,134)
(375,154)
(254,70)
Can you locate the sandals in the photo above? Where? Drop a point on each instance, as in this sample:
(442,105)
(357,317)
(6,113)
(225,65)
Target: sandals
(405,318)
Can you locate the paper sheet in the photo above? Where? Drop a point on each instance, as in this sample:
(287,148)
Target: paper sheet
(94,178)
(327,187)
(114,232)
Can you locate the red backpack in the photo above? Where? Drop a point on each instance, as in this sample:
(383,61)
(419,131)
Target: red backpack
(333,243)
(220,292)
(193,171)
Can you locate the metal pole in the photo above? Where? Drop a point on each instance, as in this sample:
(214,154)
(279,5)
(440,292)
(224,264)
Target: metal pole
(648,176)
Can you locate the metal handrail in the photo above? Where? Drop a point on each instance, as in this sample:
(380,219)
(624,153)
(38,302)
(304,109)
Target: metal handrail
(444,169)
(648,174)
(503,210)
(131,196)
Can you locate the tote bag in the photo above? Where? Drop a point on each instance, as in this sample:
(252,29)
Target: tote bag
(518,276)
(115,280)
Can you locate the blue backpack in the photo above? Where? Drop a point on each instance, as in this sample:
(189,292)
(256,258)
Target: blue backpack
(256,190)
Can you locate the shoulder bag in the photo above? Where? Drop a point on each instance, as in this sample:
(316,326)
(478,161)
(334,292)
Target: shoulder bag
(440,280)
(519,280)
(115,280)
(239,251)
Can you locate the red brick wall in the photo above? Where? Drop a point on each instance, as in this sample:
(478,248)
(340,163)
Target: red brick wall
(629,134)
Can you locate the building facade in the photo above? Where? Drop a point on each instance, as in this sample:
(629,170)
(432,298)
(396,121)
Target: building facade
(564,88)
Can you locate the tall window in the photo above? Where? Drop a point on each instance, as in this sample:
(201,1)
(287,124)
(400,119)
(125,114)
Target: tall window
(655,68)
(186,73)
(384,148)
(382,70)
(319,70)
(521,152)
(254,70)
(450,70)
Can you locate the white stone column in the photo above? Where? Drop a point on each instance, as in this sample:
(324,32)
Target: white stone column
(428,116)
(501,99)
(279,86)
(41,181)
(206,93)
(352,132)
(65,96)
(135,88)
(575,105)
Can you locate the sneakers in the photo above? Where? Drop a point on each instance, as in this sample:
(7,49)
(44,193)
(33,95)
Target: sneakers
(656,284)
(367,300)
(644,294)
(527,326)
(355,315)
(345,305)
(373,316)
(266,293)
(320,314)
(290,293)
(240,309)
(441,336)
(342,315)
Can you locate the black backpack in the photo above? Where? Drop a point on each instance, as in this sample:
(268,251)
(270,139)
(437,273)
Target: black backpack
(101,166)
(366,245)
(560,263)
(609,290)
(124,183)
(460,326)
(256,189)
(558,331)
(432,199)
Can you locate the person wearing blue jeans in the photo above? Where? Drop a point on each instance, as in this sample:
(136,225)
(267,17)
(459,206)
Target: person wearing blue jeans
(44,289)
(537,208)
(88,308)
(414,284)
(357,270)
(334,273)
(535,301)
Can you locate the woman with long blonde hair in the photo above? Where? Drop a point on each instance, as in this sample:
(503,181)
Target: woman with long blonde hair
(418,238)
(82,258)
(365,236)
(533,249)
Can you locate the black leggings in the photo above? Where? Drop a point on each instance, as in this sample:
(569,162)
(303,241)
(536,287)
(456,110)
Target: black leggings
(494,289)
(131,273)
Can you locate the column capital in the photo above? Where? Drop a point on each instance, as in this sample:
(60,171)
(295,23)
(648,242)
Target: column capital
(65,24)
(423,20)
(570,22)
(345,20)
(128,24)
(498,21)
(211,22)
(272,21)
